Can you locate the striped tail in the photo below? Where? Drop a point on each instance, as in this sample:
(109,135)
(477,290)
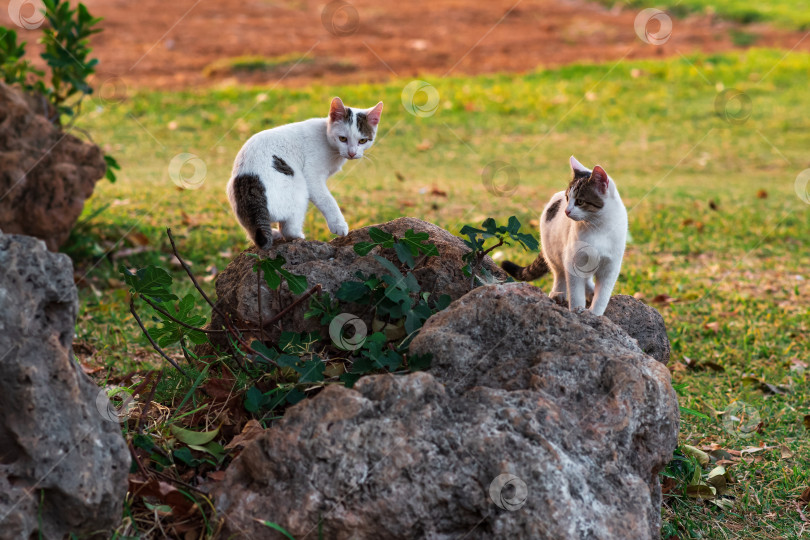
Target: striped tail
(527,273)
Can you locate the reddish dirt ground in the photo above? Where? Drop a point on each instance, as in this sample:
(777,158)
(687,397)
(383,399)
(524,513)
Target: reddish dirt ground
(160,44)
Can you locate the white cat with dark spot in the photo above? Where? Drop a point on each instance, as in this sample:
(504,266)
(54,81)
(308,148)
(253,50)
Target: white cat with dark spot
(584,245)
(279,171)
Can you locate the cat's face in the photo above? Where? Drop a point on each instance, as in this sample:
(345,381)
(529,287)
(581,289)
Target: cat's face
(586,194)
(352,131)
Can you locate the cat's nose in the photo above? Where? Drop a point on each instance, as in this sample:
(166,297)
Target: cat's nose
(352,154)
(567,212)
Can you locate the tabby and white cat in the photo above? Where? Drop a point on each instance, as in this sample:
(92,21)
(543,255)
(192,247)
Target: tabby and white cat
(584,242)
(278,171)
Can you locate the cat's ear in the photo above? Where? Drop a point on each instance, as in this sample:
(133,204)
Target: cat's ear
(374,114)
(337,111)
(601,178)
(577,167)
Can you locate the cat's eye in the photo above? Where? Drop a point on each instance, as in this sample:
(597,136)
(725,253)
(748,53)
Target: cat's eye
(580,202)
(342,139)
(363,141)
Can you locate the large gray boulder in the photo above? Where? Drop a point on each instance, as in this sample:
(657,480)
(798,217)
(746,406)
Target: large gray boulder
(63,461)
(45,173)
(534,422)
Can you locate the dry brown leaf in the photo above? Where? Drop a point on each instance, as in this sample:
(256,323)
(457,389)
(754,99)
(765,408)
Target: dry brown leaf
(251,431)
(424,145)
(762,194)
(785,451)
(663,299)
(438,192)
(138,238)
(714,325)
(805,496)
(807,422)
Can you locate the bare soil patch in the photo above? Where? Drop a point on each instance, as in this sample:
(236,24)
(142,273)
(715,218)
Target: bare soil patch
(159,44)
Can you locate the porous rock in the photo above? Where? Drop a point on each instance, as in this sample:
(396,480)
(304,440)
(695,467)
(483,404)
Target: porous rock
(641,322)
(533,422)
(45,173)
(330,264)
(63,463)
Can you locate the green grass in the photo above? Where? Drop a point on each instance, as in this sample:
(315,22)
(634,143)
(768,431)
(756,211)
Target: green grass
(253,64)
(786,13)
(740,272)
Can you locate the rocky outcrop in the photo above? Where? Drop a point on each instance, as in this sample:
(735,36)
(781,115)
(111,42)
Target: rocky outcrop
(331,264)
(63,461)
(45,174)
(641,322)
(534,422)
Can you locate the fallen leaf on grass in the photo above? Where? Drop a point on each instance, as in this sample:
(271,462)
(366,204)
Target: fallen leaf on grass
(701,456)
(762,194)
(785,451)
(663,299)
(197,438)
(805,496)
(138,238)
(438,192)
(424,145)
(166,493)
(251,431)
(715,326)
(807,422)
(216,476)
(701,491)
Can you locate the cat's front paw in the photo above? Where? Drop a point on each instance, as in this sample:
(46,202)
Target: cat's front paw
(340,228)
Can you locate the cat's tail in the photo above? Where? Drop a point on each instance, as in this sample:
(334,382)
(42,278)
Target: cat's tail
(527,273)
(249,201)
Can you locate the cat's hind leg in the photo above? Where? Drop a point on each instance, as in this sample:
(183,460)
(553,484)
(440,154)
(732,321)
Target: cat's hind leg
(292,227)
(558,289)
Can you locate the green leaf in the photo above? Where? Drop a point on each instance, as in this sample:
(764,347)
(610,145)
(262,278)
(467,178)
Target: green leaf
(353,291)
(274,270)
(419,243)
(297,284)
(404,254)
(311,370)
(287,360)
(420,362)
(364,248)
(151,281)
(184,454)
(348,379)
(277,527)
(379,236)
(194,437)
(388,265)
